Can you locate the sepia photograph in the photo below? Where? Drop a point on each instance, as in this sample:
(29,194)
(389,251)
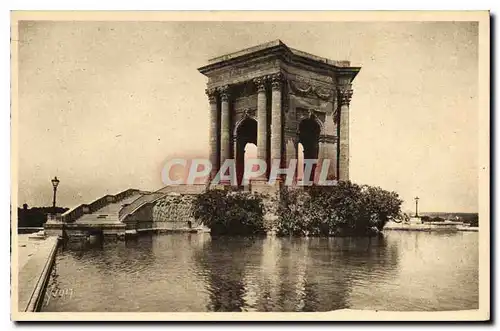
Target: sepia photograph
(320,166)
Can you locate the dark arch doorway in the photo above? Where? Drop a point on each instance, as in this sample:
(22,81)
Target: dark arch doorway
(309,131)
(246,133)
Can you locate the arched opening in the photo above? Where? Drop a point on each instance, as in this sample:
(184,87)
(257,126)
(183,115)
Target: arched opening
(309,131)
(246,145)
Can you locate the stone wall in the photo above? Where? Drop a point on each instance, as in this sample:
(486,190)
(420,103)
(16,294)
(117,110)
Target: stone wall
(174,212)
(141,218)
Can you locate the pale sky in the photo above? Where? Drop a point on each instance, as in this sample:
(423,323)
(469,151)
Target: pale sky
(102,105)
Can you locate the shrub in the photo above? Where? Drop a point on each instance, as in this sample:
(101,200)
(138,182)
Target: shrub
(228,212)
(343,209)
(36,216)
(425,219)
(292,212)
(474,221)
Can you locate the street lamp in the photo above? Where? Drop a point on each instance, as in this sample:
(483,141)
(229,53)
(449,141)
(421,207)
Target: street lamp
(55,182)
(416,206)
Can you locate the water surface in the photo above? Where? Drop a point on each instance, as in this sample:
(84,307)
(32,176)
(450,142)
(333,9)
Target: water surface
(404,271)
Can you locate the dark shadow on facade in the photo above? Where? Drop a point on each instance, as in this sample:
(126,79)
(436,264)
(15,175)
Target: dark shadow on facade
(246,133)
(309,131)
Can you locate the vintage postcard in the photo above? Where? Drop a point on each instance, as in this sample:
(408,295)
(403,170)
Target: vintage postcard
(320,166)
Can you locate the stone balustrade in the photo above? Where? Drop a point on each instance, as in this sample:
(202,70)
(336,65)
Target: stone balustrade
(77,212)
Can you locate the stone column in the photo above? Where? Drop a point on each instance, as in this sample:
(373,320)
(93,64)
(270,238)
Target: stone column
(328,150)
(322,155)
(276,116)
(212,146)
(261,119)
(345,95)
(235,146)
(290,150)
(225,125)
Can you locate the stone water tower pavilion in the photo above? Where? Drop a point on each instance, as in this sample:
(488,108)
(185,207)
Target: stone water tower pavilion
(277,97)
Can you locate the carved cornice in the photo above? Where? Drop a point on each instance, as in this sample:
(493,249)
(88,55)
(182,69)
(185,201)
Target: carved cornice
(277,51)
(224,92)
(212,95)
(327,138)
(344,95)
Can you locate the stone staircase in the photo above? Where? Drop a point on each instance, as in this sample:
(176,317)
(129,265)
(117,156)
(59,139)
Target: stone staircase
(116,214)
(138,203)
(108,214)
(148,198)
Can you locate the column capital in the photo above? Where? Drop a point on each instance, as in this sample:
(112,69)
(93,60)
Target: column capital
(344,95)
(260,83)
(276,80)
(212,94)
(224,92)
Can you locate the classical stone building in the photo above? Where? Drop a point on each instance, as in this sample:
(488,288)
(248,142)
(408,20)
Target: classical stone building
(277,97)
(271,95)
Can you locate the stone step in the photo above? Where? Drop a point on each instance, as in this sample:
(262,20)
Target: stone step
(107,215)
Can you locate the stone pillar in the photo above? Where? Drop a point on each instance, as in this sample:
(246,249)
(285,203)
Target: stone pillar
(290,150)
(345,95)
(328,150)
(212,146)
(276,116)
(322,155)
(225,125)
(261,119)
(235,146)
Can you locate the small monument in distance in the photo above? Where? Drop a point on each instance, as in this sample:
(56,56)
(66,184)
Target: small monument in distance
(416,219)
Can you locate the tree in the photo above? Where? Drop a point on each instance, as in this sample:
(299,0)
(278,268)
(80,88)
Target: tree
(228,212)
(35,216)
(343,209)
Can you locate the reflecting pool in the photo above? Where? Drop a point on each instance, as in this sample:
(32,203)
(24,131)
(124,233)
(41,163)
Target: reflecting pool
(194,272)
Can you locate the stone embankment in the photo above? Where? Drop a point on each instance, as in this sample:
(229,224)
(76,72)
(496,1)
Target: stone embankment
(416,224)
(36,256)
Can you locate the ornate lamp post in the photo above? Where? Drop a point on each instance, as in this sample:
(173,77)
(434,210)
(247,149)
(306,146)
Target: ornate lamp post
(416,206)
(55,182)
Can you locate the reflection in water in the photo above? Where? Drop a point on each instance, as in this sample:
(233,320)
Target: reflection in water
(193,272)
(225,261)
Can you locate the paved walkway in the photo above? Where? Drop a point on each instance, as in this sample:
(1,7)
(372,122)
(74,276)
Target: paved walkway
(34,257)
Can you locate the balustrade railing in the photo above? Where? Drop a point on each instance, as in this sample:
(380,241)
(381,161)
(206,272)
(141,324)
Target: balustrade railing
(77,212)
(149,197)
(139,202)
